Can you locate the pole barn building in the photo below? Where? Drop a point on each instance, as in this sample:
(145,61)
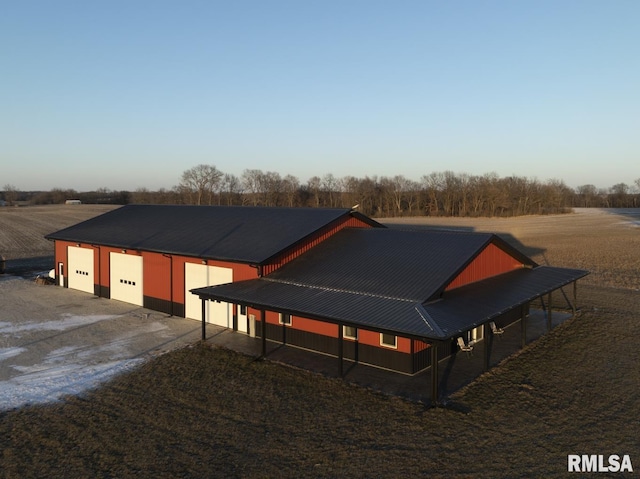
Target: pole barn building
(329,280)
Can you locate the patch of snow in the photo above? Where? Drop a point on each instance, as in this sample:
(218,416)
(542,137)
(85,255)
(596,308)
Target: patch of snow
(6,353)
(41,384)
(67,322)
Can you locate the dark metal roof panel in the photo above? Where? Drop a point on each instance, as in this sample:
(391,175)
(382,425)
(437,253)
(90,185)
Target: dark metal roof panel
(232,233)
(379,313)
(460,309)
(401,264)
(472,305)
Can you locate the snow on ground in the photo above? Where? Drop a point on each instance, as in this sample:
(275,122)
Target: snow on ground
(46,383)
(33,378)
(56,342)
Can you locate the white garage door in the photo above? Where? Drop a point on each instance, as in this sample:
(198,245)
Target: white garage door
(199,276)
(125,280)
(80,268)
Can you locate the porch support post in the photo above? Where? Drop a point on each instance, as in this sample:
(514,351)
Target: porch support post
(263,322)
(575,298)
(486,334)
(523,326)
(340,349)
(204,318)
(284,333)
(549,313)
(434,374)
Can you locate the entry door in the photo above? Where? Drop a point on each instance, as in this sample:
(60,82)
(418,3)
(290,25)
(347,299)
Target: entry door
(200,276)
(243,319)
(80,268)
(61,274)
(125,279)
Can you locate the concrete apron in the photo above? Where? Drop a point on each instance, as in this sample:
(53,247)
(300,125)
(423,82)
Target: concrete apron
(56,341)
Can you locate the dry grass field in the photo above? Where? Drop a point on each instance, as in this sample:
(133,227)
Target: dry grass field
(22,232)
(207,412)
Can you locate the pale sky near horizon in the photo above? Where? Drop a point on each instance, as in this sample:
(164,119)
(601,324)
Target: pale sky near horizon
(130,93)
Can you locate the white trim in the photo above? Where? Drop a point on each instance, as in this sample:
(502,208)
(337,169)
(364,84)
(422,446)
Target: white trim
(348,336)
(280,321)
(386,345)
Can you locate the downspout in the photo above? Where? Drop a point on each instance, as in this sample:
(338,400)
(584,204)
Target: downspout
(170,282)
(99,269)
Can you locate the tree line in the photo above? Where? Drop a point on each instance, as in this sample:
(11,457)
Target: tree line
(436,194)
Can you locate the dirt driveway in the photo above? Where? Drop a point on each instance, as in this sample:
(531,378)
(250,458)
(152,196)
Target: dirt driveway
(56,341)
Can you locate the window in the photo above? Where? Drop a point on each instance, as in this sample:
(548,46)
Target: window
(388,340)
(475,335)
(285,319)
(349,332)
(243,310)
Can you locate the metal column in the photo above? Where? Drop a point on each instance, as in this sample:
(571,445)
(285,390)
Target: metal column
(549,313)
(341,349)
(263,322)
(434,374)
(487,335)
(523,325)
(204,318)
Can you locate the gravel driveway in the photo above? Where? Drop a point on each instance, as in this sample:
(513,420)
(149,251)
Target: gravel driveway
(55,341)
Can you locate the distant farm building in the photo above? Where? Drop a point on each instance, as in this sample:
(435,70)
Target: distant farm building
(328,280)
(73,202)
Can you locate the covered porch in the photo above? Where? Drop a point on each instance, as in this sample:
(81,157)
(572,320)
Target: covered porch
(454,371)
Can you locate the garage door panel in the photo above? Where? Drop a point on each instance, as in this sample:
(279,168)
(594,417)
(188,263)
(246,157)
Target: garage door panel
(80,269)
(200,276)
(125,281)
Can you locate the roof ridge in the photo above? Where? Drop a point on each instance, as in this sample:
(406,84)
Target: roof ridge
(428,320)
(339,290)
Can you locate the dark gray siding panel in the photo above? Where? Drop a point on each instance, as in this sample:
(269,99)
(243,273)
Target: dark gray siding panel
(362,353)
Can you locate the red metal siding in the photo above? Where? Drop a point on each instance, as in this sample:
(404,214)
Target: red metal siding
(323,234)
(157,275)
(370,338)
(492,261)
(314,326)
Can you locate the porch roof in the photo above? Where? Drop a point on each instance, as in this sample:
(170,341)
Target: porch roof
(456,311)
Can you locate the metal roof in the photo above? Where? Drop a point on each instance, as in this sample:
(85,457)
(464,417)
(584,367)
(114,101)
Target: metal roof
(386,280)
(232,233)
(347,307)
(472,305)
(415,265)
(459,310)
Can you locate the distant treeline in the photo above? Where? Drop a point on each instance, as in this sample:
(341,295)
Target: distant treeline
(436,194)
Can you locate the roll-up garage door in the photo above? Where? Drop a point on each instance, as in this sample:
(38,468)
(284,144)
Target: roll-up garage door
(80,268)
(199,276)
(125,281)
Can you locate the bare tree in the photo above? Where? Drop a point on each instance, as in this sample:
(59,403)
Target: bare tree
(231,189)
(587,195)
(290,187)
(314,186)
(200,183)
(271,186)
(433,184)
(330,186)
(251,183)
(10,194)
(620,197)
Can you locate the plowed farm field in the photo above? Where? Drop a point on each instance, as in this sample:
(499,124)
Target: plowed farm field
(22,230)
(203,411)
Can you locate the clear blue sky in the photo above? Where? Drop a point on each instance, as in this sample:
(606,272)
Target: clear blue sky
(127,94)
